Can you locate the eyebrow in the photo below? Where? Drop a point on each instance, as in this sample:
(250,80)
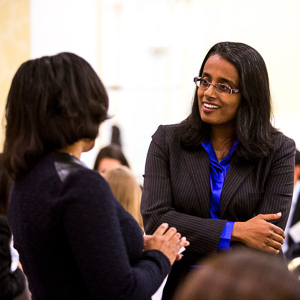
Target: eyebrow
(221,79)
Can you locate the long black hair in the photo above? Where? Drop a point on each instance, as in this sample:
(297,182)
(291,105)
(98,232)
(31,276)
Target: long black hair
(54,101)
(253,124)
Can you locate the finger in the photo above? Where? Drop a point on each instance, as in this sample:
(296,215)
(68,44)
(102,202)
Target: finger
(278,231)
(179,257)
(275,245)
(274,242)
(187,243)
(161,229)
(181,243)
(278,238)
(171,233)
(272,250)
(174,239)
(270,217)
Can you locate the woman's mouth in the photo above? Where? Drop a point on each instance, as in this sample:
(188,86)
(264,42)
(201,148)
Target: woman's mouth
(211,106)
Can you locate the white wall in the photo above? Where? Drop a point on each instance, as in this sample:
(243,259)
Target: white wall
(147,52)
(65,25)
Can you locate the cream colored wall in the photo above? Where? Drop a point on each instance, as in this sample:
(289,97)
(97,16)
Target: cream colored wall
(14,46)
(270,26)
(152,50)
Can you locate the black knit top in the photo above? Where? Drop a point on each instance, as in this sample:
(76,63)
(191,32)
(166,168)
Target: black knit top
(75,240)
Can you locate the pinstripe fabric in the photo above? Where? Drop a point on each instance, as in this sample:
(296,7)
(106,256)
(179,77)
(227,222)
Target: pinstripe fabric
(177,189)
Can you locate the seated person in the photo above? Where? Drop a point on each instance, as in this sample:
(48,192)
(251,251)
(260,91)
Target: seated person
(291,247)
(126,190)
(12,279)
(110,157)
(240,274)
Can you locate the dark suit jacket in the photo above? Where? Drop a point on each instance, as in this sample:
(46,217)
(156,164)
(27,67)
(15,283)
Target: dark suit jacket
(294,248)
(177,190)
(296,217)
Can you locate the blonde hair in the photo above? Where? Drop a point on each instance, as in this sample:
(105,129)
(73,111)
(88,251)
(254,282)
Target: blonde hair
(126,190)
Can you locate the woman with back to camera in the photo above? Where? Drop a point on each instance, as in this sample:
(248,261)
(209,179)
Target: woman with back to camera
(74,239)
(224,176)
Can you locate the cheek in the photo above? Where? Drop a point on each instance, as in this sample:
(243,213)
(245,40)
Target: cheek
(199,93)
(200,97)
(235,106)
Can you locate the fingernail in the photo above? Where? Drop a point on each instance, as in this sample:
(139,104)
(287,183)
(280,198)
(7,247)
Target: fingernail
(279,214)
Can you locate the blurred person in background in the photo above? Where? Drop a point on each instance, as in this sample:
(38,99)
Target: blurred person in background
(12,279)
(126,190)
(291,248)
(246,275)
(224,176)
(74,238)
(110,157)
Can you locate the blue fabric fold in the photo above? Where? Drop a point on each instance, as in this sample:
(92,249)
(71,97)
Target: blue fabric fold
(218,172)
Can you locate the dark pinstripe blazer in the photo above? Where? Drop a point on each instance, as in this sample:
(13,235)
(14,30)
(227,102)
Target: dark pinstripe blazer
(177,189)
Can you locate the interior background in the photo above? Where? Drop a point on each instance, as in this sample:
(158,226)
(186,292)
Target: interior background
(147,52)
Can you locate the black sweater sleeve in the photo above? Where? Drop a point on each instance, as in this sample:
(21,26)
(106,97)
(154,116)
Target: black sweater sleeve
(97,228)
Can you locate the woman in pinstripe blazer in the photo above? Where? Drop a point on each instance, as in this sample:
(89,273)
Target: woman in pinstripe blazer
(228,134)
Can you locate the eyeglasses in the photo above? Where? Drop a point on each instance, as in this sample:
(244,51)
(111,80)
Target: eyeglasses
(219,87)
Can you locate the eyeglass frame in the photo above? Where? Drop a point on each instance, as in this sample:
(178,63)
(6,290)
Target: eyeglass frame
(231,91)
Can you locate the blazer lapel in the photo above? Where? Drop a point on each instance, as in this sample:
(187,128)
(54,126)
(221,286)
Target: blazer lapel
(199,171)
(235,176)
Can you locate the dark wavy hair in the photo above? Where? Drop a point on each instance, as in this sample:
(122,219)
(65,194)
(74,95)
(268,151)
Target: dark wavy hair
(113,151)
(54,101)
(253,125)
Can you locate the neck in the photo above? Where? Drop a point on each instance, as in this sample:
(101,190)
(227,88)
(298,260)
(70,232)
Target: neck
(222,138)
(75,149)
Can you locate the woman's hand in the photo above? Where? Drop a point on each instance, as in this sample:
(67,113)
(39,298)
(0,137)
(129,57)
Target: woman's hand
(168,242)
(260,234)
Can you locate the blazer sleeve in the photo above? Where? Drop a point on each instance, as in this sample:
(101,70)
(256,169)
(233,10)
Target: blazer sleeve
(279,184)
(157,204)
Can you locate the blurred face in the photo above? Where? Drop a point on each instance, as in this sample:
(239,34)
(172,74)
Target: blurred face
(215,108)
(108,164)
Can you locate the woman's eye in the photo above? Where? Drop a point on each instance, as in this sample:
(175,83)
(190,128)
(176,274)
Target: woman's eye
(204,82)
(224,88)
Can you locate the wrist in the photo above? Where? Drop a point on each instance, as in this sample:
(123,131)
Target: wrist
(237,232)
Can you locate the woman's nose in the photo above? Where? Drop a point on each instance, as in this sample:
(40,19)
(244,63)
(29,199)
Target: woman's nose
(210,92)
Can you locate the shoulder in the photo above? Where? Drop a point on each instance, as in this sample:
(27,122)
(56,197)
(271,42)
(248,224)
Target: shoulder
(283,145)
(85,180)
(76,179)
(166,133)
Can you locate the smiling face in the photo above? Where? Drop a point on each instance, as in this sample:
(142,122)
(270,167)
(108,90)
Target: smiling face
(219,109)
